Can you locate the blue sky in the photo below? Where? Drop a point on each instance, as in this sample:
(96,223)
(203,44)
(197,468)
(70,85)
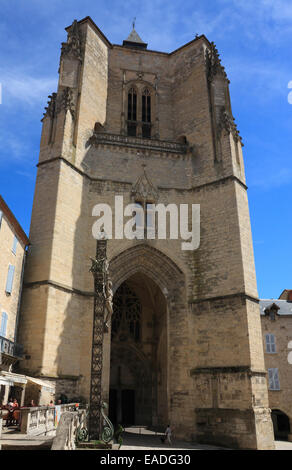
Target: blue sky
(254,40)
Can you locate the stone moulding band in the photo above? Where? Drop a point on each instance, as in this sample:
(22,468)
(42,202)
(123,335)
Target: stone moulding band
(193,188)
(227,370)
(72,290)
(224,297)
(56,285)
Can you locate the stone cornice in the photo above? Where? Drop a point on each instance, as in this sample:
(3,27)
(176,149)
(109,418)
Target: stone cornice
(153,145)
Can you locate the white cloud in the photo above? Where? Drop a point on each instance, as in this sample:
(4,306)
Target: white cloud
(268,20)
(26,174)
(261,80)
(274,178)
(15,148)
(19,87)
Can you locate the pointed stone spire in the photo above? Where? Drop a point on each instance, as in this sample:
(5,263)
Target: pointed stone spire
(134,40)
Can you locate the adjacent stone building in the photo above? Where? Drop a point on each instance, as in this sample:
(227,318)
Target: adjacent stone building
(185,344)
(276,318)
(13,242)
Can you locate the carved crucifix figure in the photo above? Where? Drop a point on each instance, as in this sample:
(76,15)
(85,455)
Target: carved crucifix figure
(108,303)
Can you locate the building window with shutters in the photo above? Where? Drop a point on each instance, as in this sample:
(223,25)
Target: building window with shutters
(274,383)
(3,325)
(270,344)
(14,246)
(9,281)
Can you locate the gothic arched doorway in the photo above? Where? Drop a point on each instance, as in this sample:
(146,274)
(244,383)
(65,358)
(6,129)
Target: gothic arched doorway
(138,370)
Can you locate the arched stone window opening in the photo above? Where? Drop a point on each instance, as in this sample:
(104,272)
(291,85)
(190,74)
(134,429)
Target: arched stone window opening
(146,113)
(132,112)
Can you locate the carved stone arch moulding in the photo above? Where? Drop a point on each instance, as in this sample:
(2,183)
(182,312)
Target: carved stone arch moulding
(140,85)
(154,264)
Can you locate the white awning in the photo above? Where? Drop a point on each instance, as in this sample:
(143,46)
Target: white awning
(14,378)
(6,382)
(45,385)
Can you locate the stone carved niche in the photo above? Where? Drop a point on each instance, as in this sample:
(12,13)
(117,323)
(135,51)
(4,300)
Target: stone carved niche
(144,190)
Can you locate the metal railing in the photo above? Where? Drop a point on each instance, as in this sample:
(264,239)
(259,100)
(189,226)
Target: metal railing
(10,348)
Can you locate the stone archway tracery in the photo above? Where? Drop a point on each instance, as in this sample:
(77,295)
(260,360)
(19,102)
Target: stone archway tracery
(151,262)
(143,260)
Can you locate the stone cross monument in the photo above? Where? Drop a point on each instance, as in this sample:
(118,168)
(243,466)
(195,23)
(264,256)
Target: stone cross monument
(101,316)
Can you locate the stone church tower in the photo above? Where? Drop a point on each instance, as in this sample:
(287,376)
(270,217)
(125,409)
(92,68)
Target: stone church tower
(185,343)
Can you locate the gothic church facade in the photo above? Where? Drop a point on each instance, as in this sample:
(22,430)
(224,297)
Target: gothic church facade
(185,343)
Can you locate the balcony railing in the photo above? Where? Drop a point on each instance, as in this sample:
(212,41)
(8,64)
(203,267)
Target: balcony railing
(10,348)
(42,419)
(138,143)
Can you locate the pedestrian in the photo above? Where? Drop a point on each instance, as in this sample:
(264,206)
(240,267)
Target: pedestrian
(10,402)
(168,434)
(15,404)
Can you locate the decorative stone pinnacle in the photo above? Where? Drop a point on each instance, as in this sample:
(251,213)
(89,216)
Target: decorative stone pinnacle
(73,47)
(227,122)
(213,63)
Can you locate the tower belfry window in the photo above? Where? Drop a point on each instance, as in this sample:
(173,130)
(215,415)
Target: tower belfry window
(146,113)
(132,112)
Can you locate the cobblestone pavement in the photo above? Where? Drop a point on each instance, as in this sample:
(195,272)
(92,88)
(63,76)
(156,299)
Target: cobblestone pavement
(14,440)
(140,438)
(135,438)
